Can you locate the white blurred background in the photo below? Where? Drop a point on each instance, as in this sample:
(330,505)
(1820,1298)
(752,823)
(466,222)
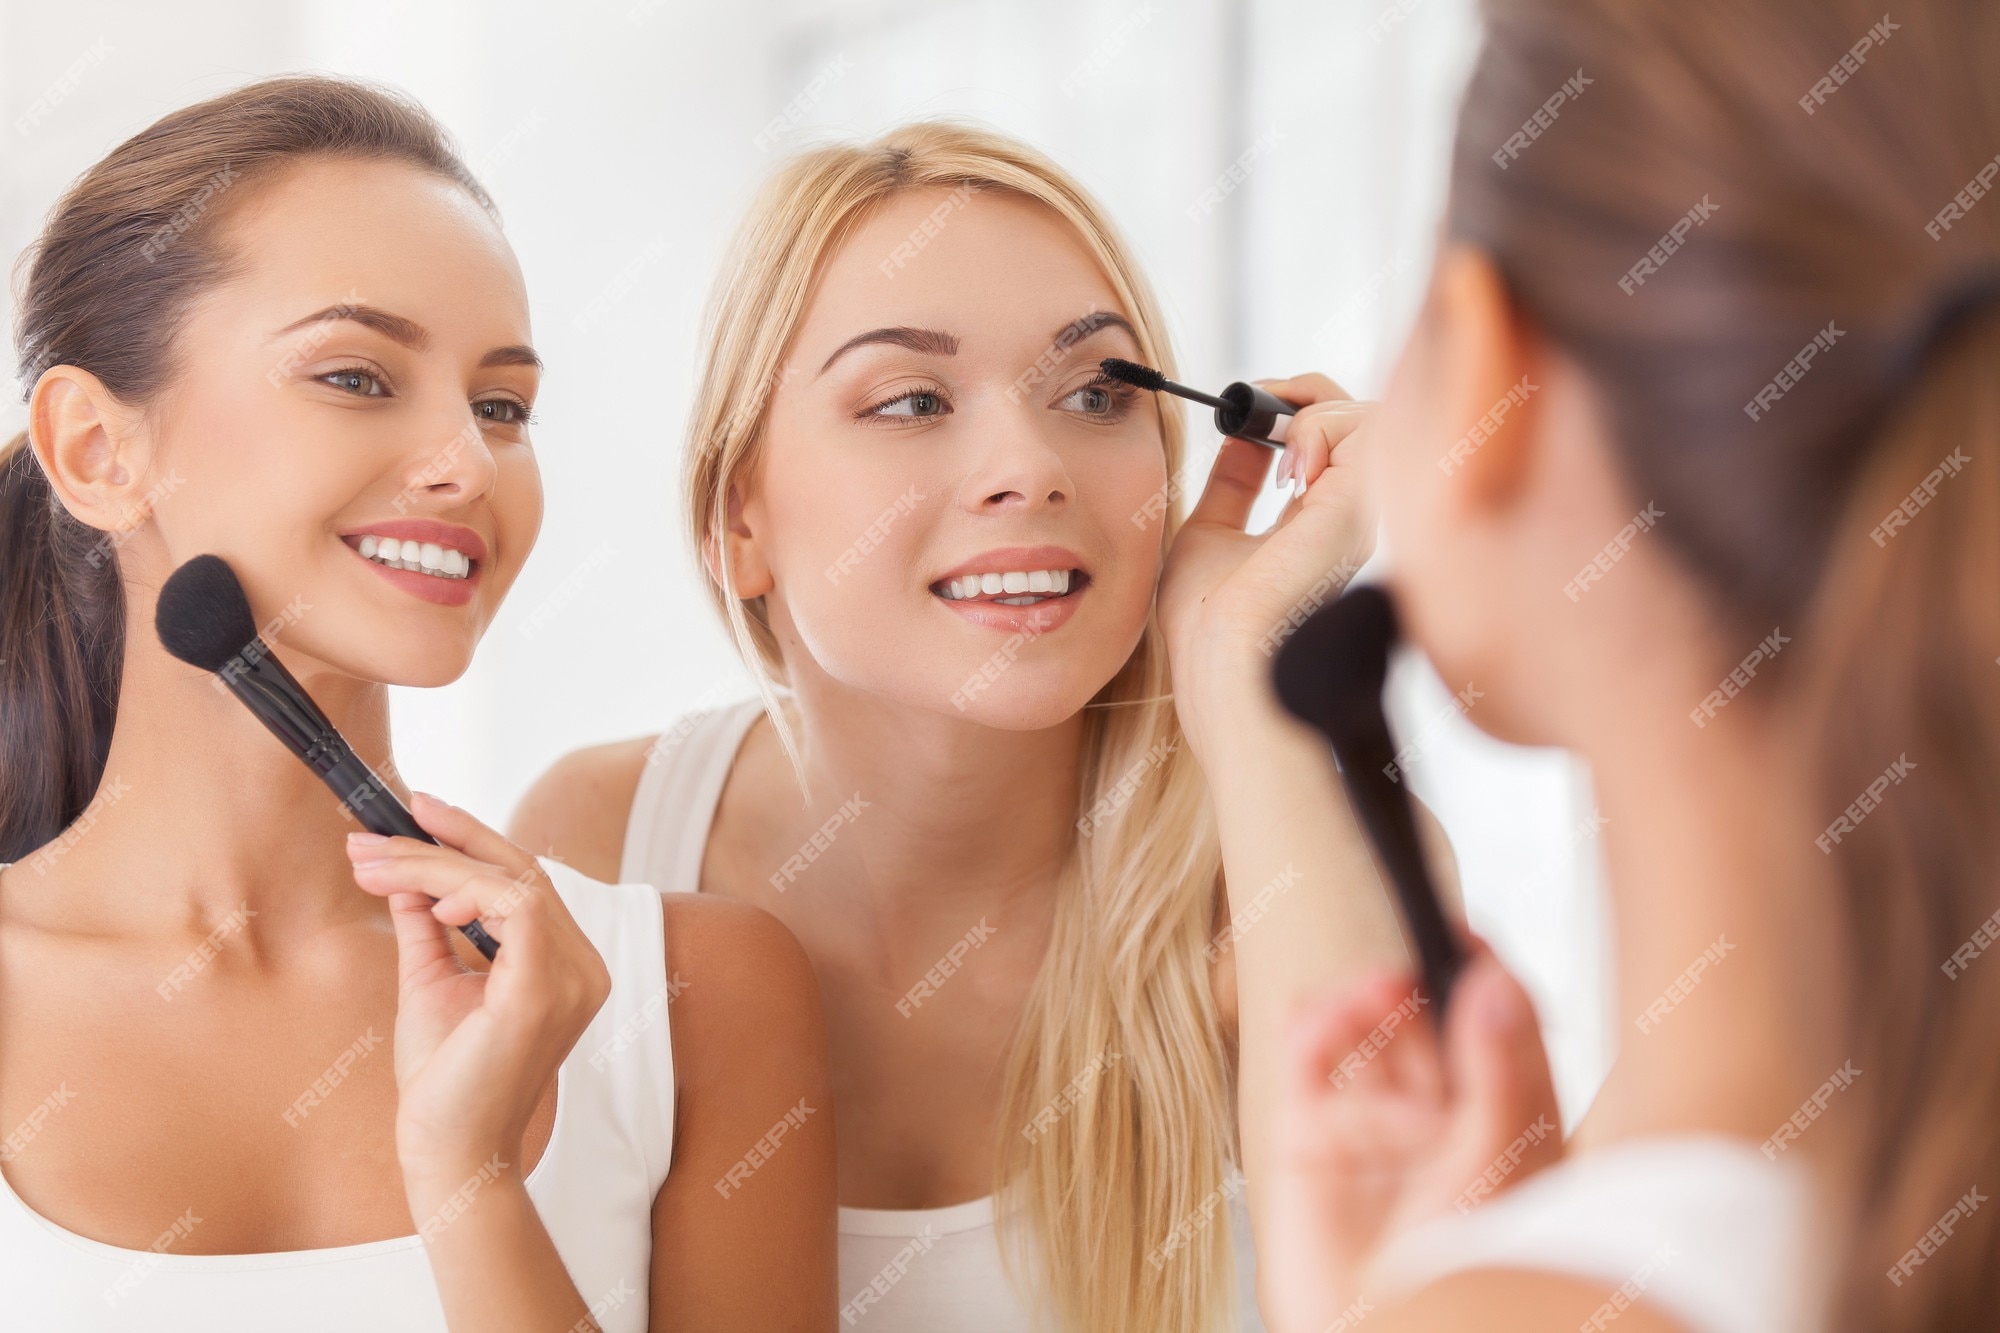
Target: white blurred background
(1279,165)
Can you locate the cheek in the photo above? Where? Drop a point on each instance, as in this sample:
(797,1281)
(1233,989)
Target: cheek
(517,514)
(1129,502)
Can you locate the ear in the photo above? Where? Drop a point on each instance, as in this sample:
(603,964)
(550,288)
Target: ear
(89,446)
(749,572)
(1493,364)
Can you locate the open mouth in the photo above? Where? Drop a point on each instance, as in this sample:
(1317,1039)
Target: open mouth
(1014,587)
(436,559)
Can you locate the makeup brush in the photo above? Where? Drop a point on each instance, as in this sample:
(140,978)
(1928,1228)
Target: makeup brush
(1243,410)
(1329,674)
(204,619)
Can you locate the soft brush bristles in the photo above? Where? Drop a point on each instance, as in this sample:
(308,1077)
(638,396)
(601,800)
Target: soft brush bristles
(202,616)
(1330,671)
(1131,372)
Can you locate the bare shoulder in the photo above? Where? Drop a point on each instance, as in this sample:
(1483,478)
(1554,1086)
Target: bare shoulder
(1514,1301)
(736,971)
(576,812)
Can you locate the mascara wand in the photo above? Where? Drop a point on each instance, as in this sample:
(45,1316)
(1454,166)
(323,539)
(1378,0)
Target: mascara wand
(1243,412)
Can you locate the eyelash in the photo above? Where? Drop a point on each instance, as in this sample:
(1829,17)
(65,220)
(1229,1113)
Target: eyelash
(527,416)
(1122,397)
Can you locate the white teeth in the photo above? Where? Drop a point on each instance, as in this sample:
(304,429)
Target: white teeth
(1020,587)
(433,558)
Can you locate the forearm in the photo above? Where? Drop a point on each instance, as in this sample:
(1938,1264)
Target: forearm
(1308,911)
(496,1268)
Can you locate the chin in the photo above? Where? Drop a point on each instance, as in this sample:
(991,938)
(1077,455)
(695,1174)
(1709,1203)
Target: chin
(1024,705)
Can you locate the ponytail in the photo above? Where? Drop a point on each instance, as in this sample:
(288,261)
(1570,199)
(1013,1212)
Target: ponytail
(62,632)
(125,254)
(1902,671)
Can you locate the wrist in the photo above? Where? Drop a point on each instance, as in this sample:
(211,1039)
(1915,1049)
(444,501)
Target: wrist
(1229,689)
(447,1182)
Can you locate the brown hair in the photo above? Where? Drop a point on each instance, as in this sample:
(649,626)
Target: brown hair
(1820,212)
(109,282)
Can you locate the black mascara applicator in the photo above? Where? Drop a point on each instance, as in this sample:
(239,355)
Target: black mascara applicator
(1243,410)
(204,619)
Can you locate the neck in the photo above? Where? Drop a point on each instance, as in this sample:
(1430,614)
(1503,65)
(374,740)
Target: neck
(203,813)
(1725,997)
(945,821)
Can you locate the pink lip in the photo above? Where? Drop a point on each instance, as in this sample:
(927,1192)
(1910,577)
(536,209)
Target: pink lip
(425,587)
(1037,619)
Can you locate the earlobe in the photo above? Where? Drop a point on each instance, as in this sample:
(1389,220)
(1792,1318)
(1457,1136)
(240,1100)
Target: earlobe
(1493,360)
(84,439)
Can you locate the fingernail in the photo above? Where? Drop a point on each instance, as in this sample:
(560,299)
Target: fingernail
(364,839)
(370,865)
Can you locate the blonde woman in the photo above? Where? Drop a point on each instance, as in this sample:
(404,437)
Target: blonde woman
(1054,957)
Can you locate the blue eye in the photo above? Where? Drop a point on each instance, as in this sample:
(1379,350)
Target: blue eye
(912,405)
(361,383)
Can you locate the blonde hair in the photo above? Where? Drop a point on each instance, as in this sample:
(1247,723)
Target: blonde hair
(1116,1120)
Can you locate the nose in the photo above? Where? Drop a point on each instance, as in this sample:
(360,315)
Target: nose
(1018,472)
(460,468)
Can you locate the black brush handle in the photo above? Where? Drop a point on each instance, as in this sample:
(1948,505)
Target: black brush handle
(1382,804)
(371,801)
(1330,675)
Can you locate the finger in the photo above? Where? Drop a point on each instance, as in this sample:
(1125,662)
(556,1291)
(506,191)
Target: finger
(422,941)
(1234,484)
(444,875)
(458,829)
(1317,432)
(1499,1067)
(1351,1030)
(1304,390)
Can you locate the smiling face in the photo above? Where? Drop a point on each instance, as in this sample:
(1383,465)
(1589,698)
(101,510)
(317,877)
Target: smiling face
(359,389)
(954,508)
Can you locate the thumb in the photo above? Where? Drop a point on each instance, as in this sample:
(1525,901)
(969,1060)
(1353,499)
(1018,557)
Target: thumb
(1499,1069)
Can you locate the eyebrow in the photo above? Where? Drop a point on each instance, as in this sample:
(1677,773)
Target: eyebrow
(929,341)
(937,343)
(407,332)
(1084,325)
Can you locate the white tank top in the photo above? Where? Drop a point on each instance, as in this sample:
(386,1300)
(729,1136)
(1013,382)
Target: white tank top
(1701,1227)
(916,1270)
(593,1187)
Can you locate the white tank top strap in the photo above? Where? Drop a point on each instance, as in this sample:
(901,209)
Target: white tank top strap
(679,788)
(1703,1227)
